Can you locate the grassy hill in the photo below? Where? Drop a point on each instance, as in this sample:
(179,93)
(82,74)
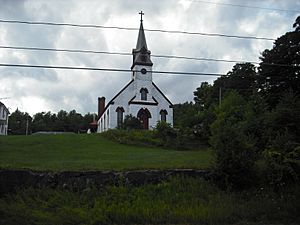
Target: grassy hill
(91,152)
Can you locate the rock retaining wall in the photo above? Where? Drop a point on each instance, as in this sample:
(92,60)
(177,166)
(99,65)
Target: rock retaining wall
(10,180)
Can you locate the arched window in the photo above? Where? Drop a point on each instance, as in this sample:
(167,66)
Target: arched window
(163,115)
(108,119)
(144,93)
(120,112)
(104,122)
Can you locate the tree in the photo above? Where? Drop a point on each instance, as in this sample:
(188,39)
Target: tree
(235,152)
(185,115)
(276,79)
(241,79)
(296,25)
(18,122)
(62,121)
(131,123)
(74,121)
(203,95)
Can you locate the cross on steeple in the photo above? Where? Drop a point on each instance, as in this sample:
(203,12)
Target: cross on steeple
(141,13)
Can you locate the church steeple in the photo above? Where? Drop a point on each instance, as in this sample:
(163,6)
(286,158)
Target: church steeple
(141,54)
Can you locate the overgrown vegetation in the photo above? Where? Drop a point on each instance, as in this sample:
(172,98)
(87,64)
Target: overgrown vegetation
(251,117)
(162,136)
(178,201)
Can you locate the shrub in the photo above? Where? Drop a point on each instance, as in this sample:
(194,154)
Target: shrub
(234,149)
(131,123)
(283,160)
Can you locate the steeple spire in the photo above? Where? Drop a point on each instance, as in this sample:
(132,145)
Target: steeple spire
(141,54)
(141,13)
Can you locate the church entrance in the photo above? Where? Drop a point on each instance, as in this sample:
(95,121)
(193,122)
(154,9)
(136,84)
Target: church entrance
(144,116)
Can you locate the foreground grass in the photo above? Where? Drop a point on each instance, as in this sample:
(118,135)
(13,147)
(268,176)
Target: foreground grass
(91,152)
(178,201)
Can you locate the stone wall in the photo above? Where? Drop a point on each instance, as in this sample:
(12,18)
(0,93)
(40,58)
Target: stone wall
(11,180)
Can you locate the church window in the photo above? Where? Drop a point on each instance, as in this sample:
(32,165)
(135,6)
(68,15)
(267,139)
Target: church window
(108,118)
(120,112)
(144,93)
(163,115)
(104,122)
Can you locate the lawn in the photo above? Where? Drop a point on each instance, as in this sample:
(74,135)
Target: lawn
(91,152)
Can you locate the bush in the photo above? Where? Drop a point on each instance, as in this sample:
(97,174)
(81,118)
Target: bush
(131,123)
(283,160)
(234,149)
(133,137)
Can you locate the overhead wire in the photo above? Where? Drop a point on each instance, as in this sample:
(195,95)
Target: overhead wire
(115,70)
(107,69)
(131,28)
(244,6)
(153,55)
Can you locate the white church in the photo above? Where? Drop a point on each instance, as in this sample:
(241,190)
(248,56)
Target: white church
(140,97)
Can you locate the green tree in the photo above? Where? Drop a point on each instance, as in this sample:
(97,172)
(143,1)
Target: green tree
(62,121)
(282,153)
(276,79)
(131,123)
(296,25)
(241,79)
(18,122)
(74,121)
(185,115)
(234,149)
(203,95)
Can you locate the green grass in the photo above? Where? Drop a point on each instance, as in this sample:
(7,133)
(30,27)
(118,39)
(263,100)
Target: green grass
(91,152)
(178,201)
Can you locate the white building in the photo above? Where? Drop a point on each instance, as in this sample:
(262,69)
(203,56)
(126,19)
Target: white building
(140,97)
(3,119)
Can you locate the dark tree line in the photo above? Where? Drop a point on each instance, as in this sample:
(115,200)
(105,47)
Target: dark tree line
(252,115)
(63,121)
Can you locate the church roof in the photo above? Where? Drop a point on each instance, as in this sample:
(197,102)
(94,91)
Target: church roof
(5,108)
(141,42)
(141,54)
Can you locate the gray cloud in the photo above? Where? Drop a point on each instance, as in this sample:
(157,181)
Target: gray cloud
(36,90)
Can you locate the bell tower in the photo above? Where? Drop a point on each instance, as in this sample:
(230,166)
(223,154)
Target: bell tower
(141,64)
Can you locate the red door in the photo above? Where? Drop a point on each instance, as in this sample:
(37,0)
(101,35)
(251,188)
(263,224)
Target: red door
(145,121)
(144,116)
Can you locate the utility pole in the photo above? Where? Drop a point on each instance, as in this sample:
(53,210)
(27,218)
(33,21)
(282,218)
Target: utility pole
(27,126)
(220,96)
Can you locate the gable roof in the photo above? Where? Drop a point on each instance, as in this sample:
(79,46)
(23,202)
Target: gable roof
(112,100)
(5,108)
(162,94)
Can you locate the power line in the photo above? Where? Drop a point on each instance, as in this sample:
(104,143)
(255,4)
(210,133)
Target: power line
(115,70)
(130,54)
(245,6)
(108,69)
(130,28)
(64,50)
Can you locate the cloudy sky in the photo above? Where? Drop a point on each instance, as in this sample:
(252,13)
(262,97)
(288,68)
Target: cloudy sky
(37,90)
